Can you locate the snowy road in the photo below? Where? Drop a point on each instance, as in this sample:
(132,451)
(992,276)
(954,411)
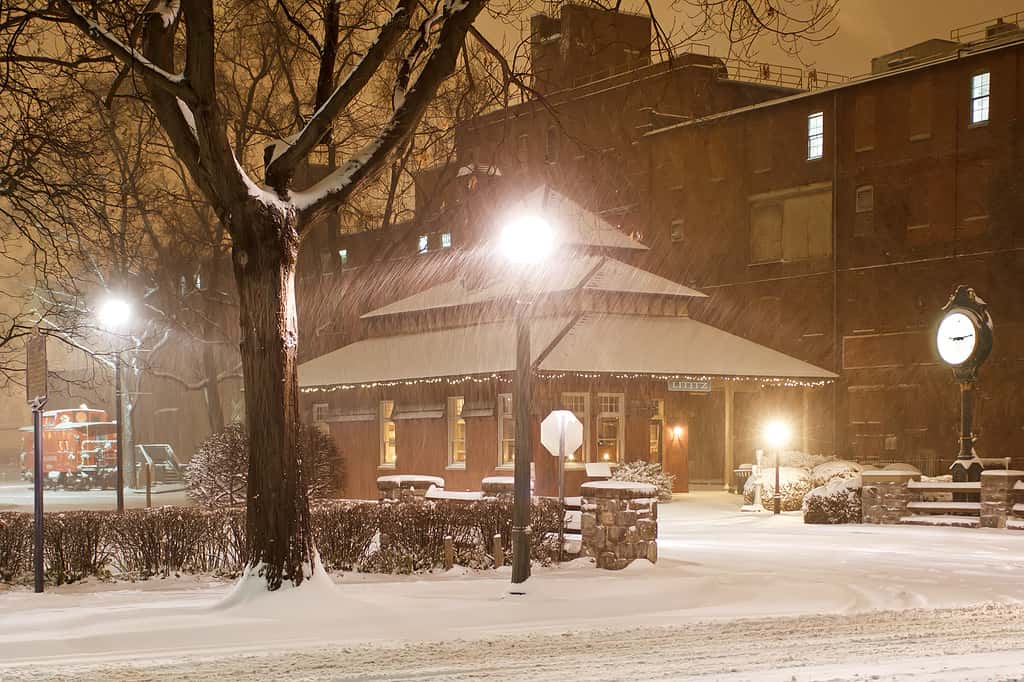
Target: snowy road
(984,643)
(733,597)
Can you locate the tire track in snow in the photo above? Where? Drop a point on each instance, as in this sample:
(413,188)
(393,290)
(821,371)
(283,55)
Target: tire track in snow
(874,645)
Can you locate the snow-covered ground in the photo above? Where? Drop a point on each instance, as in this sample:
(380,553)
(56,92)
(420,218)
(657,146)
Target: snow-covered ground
(734,597)
(18,496)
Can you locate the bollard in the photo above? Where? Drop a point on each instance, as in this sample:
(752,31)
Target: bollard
(499,551)
(449,552)
(149,486)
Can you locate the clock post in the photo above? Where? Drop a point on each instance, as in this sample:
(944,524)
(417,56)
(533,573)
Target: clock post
(964,340)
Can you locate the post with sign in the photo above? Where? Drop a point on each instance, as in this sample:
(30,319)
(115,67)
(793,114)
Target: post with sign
(35,389)
(561,433)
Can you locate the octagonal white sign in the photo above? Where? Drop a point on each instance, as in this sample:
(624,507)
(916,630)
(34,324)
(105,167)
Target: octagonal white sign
(561,432)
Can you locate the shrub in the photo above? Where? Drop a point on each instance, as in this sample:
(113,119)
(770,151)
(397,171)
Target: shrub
(15,545)
(837,502)
(218,472)
(837,468)
(399,536)
(794,483)
(647,472)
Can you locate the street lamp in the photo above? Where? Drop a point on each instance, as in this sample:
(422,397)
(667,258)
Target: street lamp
(525,241)
(776,435)
(114,315)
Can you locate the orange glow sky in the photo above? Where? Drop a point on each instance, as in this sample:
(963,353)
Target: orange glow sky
(867,28)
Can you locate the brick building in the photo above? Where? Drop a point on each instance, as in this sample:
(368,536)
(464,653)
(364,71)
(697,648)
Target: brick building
(829,220)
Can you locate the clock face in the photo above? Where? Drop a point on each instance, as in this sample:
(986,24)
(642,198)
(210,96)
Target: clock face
(956,339)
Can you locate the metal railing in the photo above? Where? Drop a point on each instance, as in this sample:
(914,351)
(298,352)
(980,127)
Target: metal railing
(988,29)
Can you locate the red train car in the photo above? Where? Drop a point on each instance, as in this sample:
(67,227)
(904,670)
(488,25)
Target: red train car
(79,448)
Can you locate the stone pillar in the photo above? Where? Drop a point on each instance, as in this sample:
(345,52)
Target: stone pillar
(885,495)
(620,522)
(998,496)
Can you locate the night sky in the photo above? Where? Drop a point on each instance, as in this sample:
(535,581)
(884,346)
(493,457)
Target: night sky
(867,28)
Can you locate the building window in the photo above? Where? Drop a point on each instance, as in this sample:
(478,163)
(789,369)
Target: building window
(864,207)
(446,240)
(864,125)
(677,234)
(609,427)
(456,433)
(343,257)
(506,431)
(320,411)
(980,88)
(815,136)
(388,433)
(921,109)
(551,144)
(656,433)
(579,405)
(791,227)
(423,243)
(523,149)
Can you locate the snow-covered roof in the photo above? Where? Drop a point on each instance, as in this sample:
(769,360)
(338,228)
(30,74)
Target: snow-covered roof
(613,344)
(462,351)
(588,272)
(574,225)
(669,345)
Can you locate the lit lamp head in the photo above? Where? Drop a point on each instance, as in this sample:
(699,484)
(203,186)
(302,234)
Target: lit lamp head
(114,314)
(527,239)
(776,434)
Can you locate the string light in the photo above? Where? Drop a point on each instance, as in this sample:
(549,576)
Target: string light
(506,377)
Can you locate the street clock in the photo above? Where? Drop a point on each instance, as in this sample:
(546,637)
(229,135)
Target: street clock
(963,340)
(964,335)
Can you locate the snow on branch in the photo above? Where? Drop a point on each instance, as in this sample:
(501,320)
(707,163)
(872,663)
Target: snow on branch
(333,190)
(282,167)
(173,83)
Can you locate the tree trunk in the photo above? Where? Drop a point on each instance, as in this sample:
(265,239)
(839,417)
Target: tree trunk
(280,544)
(214,408)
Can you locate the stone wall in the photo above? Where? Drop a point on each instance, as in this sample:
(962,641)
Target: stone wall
(998,496)
(884,495)
(620,522)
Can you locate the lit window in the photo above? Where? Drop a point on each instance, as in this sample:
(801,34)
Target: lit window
(343,256)
(388,433)
(446,240)
(423,244)
(980,88)
(609,427)
(456,433)
(506,431)
(815,136)
(579,405)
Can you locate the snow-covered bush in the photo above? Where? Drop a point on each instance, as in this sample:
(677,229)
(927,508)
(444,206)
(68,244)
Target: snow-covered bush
(15,545)
(838,501)
(343,531)
(75,547)
(647,472)
(218,472)
(836,468)
(795,459)
(794,483)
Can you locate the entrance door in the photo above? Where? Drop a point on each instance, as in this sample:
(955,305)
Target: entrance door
(707,448)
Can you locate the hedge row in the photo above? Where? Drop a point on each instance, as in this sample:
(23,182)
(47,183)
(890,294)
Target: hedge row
(404,537)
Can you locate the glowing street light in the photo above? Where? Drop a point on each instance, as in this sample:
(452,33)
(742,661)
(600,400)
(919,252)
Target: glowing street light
(114,315)
(776,434)
(525,240)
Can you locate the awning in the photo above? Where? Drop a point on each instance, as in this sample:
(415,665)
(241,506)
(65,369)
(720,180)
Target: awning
(595,343)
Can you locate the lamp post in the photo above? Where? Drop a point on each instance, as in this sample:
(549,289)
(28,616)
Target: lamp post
(525,242)
(776,434)
(114,315)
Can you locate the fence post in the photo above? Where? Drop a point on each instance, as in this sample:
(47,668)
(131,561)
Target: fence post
(449,552)
(499,551)
(149,485)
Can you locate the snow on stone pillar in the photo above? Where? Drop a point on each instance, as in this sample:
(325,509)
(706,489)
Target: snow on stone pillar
(885,494)
(620,522)
(998,496)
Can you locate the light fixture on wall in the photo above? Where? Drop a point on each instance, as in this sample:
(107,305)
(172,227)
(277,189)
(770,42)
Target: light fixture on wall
(677,433)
